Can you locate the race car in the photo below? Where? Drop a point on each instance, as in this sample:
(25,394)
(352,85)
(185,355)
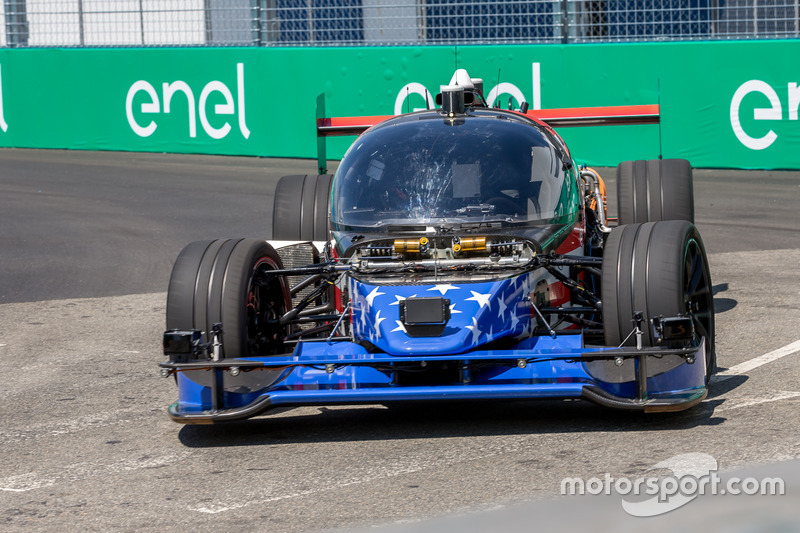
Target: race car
(458,253)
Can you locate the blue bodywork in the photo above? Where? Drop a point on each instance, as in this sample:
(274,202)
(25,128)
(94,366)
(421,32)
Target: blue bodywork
(488,347)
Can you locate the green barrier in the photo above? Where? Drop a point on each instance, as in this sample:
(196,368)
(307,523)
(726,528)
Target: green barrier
(723,104)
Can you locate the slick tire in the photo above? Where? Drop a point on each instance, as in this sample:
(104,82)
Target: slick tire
(224,281)
(659,189)
(301,208)
(660,269)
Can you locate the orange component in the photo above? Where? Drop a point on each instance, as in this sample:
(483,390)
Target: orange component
(593,204)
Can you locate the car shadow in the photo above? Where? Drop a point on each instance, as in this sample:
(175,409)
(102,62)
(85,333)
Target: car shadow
(439,421)
(722,385)
(722,304)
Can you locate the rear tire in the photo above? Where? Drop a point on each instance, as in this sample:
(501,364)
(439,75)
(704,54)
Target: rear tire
(223,281)
(659,189)
(301,207)
(658,268)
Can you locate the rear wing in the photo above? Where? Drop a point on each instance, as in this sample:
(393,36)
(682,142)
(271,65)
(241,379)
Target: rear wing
(555,118)
(598,116)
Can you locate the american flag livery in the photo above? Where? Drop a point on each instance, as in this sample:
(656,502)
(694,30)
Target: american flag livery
(479,313)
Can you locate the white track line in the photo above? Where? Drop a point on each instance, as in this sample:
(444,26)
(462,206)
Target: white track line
(747,366)
(69,426)
(80,471)
(738,404)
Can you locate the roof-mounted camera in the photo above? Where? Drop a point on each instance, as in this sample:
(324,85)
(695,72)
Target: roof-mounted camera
(452,100)
(462,91)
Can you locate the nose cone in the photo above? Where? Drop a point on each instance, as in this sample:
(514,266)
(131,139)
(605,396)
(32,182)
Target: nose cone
(479,314)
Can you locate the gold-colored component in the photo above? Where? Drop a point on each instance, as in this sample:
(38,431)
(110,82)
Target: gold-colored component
(402,246)
(411,246)
(456,248)
(472,244)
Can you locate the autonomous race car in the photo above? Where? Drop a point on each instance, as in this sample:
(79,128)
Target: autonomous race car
(458,253)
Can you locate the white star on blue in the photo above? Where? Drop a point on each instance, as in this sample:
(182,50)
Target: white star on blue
(482,299)
(443,288)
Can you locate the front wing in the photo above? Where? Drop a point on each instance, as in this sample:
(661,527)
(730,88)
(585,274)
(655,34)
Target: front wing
(328,372)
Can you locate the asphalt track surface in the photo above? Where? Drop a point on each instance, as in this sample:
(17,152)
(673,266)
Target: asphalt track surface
(87,241)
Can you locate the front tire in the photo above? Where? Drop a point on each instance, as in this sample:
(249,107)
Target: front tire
(660,269)
(225,281)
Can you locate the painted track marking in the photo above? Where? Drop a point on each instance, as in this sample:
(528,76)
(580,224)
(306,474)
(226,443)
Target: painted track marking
(80,471)
(70,426)
(752,364)
(749,402)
